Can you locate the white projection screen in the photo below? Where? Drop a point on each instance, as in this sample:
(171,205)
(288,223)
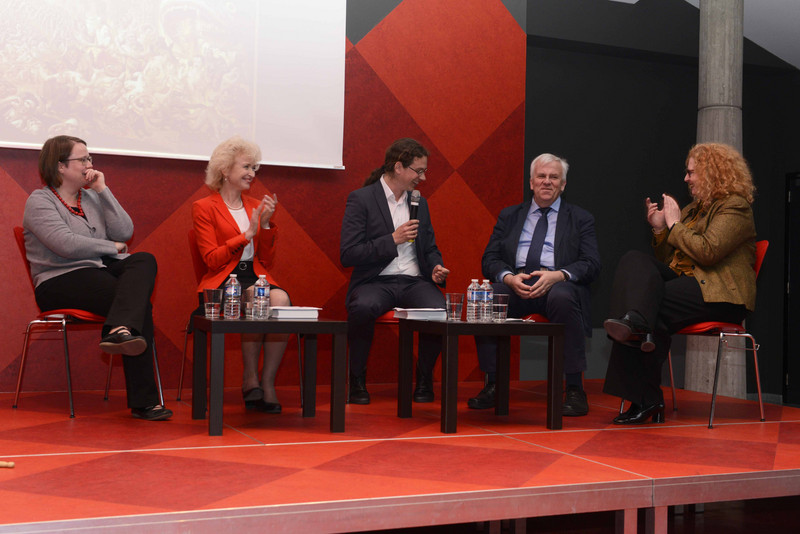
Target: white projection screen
(173,78)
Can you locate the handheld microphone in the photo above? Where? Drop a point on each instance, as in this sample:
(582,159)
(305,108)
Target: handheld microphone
(413,207)
(413,204)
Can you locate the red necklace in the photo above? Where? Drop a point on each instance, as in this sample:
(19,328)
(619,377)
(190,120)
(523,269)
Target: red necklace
(75,211)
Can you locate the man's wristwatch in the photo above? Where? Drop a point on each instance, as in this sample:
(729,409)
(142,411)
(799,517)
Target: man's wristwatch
(566,275)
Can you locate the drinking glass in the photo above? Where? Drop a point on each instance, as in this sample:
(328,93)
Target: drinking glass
(213,302)
(455,302)
(499,308)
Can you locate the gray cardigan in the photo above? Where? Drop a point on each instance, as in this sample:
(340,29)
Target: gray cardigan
(57,241)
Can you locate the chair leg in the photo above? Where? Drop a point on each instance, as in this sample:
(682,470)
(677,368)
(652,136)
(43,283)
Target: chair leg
(672,382)
(69,374)
(22,361)
(158,372)
(758,377)
(183,360)
(716,380)
(300,366)
(621,406)
(108,378)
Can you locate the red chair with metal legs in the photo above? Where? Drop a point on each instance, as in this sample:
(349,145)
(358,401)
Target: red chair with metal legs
(723,331)
(62,318)
(200,269)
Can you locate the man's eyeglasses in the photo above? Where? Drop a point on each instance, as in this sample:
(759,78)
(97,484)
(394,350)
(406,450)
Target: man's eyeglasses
(419,172)
(84,160)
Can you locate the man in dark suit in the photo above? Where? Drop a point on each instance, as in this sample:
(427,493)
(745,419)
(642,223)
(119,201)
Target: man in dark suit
(543,254)
(395,261)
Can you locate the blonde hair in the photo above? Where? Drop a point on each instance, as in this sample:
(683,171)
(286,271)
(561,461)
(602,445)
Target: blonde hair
(224,156)
(721,171)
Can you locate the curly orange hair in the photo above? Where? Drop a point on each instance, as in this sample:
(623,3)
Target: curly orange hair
(721,171)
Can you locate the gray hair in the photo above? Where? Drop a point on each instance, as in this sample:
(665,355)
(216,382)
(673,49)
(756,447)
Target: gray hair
(544,159)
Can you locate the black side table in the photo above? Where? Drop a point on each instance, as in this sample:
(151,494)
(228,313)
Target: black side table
(310,329)
(450,331)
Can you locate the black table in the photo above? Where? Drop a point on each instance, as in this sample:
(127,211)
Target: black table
(450,330)
(309,329)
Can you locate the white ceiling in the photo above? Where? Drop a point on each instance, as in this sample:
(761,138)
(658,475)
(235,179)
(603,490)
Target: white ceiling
(774,25)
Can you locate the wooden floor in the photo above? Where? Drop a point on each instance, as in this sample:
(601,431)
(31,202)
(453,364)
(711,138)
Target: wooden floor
(104,471)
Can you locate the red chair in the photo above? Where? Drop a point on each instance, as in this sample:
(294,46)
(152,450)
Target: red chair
(62,318)
(725,330)
(200,269)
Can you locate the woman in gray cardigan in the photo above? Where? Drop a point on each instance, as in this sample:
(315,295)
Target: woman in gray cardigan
(75,234)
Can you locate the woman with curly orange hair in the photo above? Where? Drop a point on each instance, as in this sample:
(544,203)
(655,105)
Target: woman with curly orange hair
(702,271)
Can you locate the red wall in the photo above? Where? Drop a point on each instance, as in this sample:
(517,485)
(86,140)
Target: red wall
(451,75)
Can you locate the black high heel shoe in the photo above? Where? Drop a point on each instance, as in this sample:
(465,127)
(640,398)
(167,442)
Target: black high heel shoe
(656,411)
(252,397)
(622,417)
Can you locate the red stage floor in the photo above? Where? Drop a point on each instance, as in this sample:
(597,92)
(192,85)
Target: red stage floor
(283,473)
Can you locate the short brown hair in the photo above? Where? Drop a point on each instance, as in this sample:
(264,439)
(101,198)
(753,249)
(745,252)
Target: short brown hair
(54,151)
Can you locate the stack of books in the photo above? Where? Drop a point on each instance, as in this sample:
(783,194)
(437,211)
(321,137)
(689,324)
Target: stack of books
(421,314)
(294,312)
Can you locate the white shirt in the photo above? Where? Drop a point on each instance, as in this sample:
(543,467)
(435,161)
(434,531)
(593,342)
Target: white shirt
(243,221)
(406,260)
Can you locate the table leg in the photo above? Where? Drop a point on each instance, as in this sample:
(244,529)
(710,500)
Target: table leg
(199,375)
(503,379)
(217,384)
(338,381)
(449,384)
(309,377)
(555,385)
(406,364)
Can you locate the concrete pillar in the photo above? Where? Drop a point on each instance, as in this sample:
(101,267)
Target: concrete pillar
(719,119)
(719,95)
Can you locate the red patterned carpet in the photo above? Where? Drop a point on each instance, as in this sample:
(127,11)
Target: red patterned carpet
(284,473)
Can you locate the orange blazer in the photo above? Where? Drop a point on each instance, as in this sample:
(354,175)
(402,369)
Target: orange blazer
(221,243)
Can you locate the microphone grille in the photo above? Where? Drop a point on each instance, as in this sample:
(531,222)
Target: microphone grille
(415,196)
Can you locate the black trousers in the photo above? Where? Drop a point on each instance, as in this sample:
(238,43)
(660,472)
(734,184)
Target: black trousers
(560,305)
(668,302)
(371,300)
(121,292)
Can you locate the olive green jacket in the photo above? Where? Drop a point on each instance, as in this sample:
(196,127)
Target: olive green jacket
(722,247)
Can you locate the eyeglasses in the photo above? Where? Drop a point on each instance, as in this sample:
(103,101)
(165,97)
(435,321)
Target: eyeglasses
(84,160)
(419,172)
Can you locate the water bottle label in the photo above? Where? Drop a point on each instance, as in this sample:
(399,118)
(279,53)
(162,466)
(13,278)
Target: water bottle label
(261,291)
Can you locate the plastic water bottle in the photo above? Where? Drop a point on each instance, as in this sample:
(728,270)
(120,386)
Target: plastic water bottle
(233,298)
(487,301)
(473,308)
(261,298)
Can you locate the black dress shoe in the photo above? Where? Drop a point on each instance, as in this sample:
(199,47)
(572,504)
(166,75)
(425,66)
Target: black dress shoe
(152,413)
(485,399)
(656,411)
(631,330)
(358,389)
(267,407)
(123,342)
(575,403)
(251,397)
(424,390)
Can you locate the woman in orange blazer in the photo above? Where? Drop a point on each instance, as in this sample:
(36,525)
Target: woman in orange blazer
(236,234)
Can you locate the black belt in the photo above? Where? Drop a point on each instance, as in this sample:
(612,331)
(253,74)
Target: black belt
(245,265)
(523,270)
